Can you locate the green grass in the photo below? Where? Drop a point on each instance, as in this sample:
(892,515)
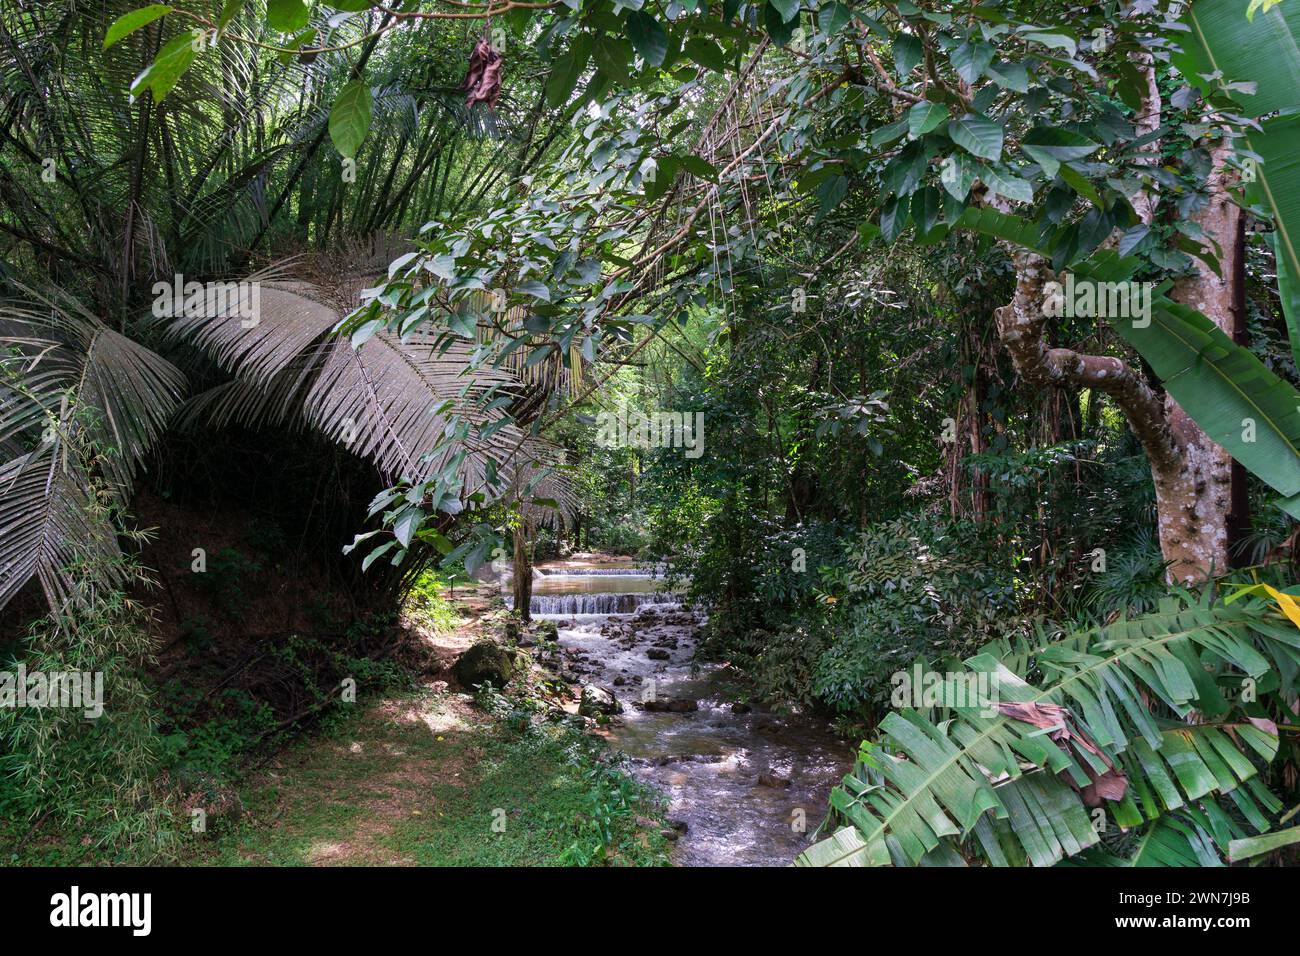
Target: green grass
(414,782)
(529,804)
(429,606)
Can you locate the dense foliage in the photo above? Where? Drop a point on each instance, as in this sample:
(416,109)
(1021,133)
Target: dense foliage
(838,236)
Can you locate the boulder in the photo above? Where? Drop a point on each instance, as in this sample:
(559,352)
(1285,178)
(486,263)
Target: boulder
(674,705)
(485,662)
(596,701)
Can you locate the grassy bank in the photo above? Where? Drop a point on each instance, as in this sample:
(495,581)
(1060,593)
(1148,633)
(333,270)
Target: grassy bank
(411,774)
(427,779)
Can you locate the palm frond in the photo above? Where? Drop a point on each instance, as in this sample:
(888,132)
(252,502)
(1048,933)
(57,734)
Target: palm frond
(76,371)
(393,400)
(50,526)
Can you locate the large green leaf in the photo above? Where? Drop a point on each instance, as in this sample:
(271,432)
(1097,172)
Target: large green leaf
(287,16)
(1169,841)
(992,781)
(1288,290)
(978,136)
(1000,225)
(1256,64)
(1277,179)
(128,23)
(1229,392)
(1225,49)
(1247,847)
(647,36)
(171,62)
(925,116)
(350,117)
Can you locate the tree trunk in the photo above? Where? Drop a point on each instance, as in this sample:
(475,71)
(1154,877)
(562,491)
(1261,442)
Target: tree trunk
(1187,502)
(523,572)
(1202,520)
(975,413)
(1193,476)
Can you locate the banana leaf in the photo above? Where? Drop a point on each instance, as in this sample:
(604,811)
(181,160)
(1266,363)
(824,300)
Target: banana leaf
(1015,777)
(1256,65)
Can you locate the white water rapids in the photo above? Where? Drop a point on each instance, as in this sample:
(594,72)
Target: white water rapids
(751,786)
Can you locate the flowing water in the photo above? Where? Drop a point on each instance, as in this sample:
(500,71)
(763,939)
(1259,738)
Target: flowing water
(595,591)
(750,786)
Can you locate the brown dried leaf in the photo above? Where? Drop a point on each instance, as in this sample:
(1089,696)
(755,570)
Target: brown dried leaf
(483,80)
(1061,728)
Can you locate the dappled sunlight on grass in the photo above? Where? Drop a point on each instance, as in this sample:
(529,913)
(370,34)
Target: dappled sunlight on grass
(426,780)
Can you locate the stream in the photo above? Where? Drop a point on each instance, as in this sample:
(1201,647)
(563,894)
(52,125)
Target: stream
(749,785)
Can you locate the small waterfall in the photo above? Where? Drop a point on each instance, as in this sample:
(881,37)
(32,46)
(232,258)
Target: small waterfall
(572,604)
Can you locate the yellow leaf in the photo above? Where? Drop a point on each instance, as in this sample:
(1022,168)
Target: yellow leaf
(1290,607)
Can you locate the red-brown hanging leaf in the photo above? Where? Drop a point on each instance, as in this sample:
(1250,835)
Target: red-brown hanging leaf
(483,81)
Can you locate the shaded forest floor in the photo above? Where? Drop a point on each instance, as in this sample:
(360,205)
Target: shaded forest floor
(428,777)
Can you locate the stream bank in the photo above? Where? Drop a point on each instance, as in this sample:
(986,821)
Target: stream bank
(418,775)
(745,786)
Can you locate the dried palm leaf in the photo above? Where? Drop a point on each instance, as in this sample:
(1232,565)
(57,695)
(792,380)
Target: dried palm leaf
(50,527)
(392,401)
(73,371)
